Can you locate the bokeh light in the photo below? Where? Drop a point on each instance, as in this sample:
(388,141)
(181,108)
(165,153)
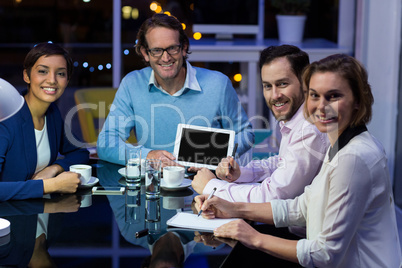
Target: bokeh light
(237,77)
(197,36)
(126,12)
(153,6)
(135,14)
(158,9)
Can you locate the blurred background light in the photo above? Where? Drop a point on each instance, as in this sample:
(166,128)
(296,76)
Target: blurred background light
(158,9)
(135,14)
(153,6)
(197,36)
(237,77)
(126,12)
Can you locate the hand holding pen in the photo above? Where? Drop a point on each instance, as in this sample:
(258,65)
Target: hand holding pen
(209,197)
(216,207)
(233,155)
(228,169)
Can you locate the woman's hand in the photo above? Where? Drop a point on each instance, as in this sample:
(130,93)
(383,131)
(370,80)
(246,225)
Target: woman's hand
(65,182)
(241,231)
(48,172)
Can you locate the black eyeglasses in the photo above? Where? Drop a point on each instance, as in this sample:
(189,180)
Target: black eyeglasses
(157,52)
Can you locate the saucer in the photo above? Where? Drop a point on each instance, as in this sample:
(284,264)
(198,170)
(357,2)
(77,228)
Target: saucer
(122,172)
(92,182)
(184,184)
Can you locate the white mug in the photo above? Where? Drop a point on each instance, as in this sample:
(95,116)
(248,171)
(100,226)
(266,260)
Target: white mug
(84,170)
(173,175)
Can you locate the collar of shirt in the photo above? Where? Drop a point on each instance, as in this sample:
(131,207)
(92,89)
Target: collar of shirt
(287,127)
(348,134)
(190,83)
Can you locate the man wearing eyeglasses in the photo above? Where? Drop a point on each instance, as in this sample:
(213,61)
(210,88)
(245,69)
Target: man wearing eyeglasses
(154,100)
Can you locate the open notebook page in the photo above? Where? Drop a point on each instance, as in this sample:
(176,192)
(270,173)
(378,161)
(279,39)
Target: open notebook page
(192,221)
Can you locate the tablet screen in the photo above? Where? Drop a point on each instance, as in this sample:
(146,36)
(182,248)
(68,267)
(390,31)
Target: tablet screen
(202,147)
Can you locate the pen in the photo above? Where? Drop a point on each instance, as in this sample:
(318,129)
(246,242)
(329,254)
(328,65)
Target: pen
(141,233)
(234,150)
(209,197)
(234,153)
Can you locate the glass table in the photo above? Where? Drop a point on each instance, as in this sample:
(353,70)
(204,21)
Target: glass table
(100,230)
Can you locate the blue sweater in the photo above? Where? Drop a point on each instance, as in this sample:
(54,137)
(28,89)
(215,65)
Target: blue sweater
(208,99)
(18,154)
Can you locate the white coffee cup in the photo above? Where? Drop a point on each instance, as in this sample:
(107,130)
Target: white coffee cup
(173,175)
(84,170)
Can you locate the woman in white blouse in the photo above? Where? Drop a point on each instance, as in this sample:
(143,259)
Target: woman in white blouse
(348,210)
(32,139)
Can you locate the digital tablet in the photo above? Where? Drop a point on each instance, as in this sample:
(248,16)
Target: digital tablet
(197,146)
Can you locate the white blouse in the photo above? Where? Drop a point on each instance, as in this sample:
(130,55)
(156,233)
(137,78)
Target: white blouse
(42,148)
(348,211)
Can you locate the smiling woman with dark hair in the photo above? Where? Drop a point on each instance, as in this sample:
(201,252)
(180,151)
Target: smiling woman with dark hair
(31,140)
(348,210)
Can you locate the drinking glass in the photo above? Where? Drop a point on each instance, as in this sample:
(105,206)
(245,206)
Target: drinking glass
(153,215)
(152,210)
(133,205)
(133,164)
(152,178)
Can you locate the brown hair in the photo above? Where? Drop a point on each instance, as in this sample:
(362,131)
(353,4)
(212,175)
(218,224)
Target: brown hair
(161,20)
(47,49)
(297,58)
(355,74)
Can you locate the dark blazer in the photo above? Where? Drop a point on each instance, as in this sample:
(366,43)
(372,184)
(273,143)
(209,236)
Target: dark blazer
(18,154)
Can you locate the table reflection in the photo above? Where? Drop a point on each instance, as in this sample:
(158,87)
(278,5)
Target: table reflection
(85,230)
(135,212)
(34,225)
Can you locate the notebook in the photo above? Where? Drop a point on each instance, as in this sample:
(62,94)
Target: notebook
(199,147)
(188,220)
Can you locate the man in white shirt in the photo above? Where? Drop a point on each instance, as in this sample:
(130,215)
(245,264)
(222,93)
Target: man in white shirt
(302,148)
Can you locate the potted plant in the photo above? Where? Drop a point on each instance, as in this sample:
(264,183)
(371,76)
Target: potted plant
(291,17)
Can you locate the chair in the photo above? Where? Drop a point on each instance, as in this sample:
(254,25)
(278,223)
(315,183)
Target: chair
(262,148)
(93,107)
